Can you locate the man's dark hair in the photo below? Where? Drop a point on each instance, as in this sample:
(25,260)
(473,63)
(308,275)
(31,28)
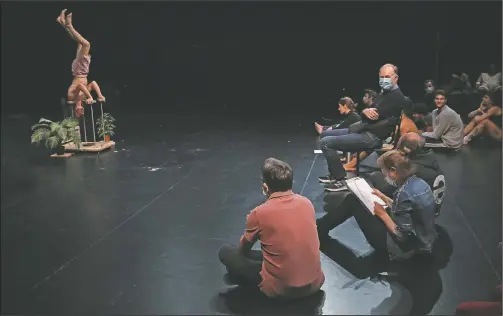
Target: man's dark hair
(440,92)
(370,92)
(420,108)
(277,174)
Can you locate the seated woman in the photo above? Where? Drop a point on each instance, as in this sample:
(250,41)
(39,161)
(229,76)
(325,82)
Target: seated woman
(347,110)
(486,120)
(80,65)
(407,227)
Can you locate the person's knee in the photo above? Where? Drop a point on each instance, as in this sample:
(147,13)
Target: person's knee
(86,44)
(224,252)
(324,143)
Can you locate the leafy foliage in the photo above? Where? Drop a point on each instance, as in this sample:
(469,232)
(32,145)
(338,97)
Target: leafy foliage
(106,125)
(54,134)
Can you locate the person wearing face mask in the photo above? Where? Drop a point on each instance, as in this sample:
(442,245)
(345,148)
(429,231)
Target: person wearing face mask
(406,226)
(426,167)
(288,265)
(447,126)
(347,110)
(378,122)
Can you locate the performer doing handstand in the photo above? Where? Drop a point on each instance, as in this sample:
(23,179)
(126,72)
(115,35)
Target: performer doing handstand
(80,66)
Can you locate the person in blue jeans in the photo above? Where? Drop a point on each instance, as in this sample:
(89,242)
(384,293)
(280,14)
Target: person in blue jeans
(406,226)
(379,121)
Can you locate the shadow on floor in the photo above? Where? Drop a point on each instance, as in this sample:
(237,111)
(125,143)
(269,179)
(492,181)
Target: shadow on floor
(250,301)
(419,276)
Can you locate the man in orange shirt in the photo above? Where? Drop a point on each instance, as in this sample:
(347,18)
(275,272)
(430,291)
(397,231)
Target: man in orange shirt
(288,266)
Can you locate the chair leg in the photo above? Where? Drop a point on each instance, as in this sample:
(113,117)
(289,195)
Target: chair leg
(357,163)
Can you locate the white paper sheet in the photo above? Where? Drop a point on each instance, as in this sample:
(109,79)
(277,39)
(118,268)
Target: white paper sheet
(363,191)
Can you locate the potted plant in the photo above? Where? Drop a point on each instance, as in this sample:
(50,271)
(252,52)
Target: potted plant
(56,134)
(106,126)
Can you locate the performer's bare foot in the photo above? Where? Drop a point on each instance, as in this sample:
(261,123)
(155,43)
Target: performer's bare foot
(68,21)
(318,127)
(61,18)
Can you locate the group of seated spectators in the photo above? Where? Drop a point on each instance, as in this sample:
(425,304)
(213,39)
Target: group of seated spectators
(409,181)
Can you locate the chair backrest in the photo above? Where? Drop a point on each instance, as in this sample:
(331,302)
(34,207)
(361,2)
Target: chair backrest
(395,136)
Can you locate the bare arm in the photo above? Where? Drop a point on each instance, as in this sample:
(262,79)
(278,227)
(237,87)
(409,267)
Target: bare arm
(251,233)
(494,111)
(472,114)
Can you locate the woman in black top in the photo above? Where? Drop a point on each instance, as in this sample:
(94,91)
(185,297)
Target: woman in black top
(486,120)
(347,109)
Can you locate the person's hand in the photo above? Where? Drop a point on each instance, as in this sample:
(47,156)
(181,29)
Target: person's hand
(371,113)
(89,101)
(379,194)
(329,128)
(379,210)
(382,196)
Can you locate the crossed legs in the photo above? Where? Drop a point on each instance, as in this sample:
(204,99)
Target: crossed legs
(486,127)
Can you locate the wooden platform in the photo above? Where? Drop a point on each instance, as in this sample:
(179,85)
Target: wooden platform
(90,146)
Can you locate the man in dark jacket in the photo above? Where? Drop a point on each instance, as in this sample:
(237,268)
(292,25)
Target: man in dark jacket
(378,123)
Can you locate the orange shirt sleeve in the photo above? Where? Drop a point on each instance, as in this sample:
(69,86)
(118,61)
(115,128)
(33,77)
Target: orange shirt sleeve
(252,229)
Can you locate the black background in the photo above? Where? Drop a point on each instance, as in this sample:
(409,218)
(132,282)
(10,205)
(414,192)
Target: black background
(239,56)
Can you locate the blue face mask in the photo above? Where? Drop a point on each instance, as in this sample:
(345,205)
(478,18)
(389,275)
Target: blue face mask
(386,83)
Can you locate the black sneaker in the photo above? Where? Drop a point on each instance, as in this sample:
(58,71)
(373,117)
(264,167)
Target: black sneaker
(327,179)
(335,187)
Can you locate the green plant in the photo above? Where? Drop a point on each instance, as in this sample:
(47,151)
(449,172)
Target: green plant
(106,125)
(56,134)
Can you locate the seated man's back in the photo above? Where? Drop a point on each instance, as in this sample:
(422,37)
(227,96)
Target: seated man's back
(286,228)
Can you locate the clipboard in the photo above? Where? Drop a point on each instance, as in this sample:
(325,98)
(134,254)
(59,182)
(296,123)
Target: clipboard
(363,192)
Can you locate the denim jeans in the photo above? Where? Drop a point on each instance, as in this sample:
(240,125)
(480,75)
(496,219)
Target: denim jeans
(343,140)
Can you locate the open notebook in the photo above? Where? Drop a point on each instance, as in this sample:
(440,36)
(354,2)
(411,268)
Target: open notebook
(362,190)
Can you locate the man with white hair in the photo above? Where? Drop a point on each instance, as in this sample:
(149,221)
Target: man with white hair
(379,121)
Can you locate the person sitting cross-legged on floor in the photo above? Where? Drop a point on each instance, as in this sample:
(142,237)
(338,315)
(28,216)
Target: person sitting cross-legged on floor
(486,120)
(347,110)
(289,264)
(378,122)
(425,165)
(403,228)
(447,126)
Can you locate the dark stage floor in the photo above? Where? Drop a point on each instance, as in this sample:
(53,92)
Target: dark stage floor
(136,230)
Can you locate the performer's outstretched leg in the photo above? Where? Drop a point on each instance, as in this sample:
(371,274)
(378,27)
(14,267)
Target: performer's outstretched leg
(81,63)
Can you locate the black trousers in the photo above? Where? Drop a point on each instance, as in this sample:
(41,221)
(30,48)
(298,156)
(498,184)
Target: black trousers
(242,269)
(372,227)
